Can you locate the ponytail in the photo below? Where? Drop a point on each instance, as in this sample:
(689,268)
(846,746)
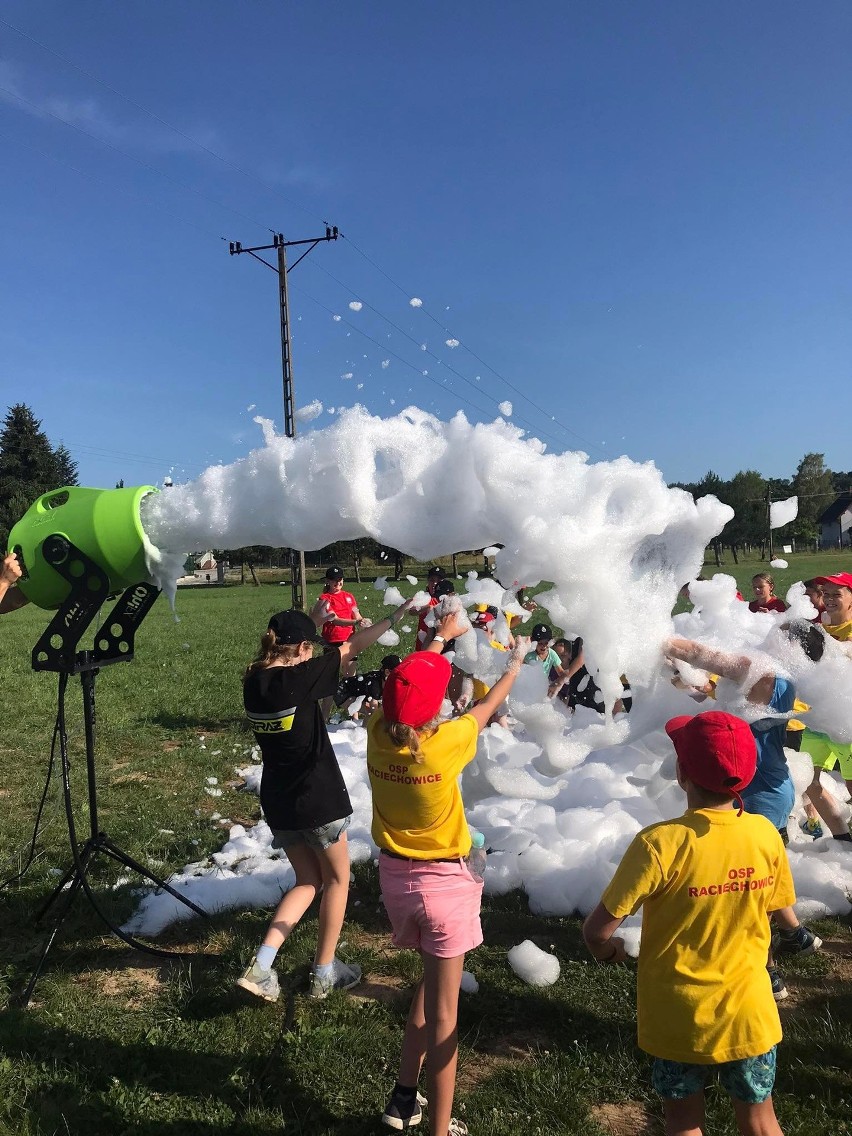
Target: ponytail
(406,737)
(271,651)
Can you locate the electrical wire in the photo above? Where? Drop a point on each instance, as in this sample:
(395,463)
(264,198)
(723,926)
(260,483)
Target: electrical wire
(43,111)
(431,354)
(109,185)
(158,118)
(422,308)
(275,191)
(37,825)
(384,348)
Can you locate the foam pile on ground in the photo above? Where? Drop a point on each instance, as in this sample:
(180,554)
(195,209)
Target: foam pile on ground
(556,833)
(613,539)
(533,965)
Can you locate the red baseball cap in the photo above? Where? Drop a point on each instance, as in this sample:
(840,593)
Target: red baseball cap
(840,580)
(716,750)
(416,688)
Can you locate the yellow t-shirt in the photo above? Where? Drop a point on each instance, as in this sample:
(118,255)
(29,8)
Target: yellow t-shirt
(840,631)
(707,881)
(417,806)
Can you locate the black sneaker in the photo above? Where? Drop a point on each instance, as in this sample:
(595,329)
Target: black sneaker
(779,990)
(798,942)
(403,1112)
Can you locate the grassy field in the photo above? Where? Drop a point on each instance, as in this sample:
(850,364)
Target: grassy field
(116,1043)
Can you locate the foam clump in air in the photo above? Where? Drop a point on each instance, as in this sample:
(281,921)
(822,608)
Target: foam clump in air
(613,539)
(308,412)
(533,965)
(505,409)
(778,564)
(782,512)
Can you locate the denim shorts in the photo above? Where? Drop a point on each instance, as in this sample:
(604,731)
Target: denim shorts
(749,1080)
(317,838)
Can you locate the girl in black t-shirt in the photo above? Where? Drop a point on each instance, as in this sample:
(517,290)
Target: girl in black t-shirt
(302,791)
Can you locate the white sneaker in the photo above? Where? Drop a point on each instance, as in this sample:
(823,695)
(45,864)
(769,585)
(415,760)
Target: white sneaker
(342,977)
(263,983)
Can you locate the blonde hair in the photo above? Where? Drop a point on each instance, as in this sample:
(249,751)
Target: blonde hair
(406,737)
(765,576)
(271,651)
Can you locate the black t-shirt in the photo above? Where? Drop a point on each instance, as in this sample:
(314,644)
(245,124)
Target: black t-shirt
(301,786)
(370,684)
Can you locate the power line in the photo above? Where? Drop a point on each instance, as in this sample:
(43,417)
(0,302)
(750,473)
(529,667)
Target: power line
(101,181)
(274,190)
(133,158)
(157,118)
(427,351)
(385,349)
(470,351)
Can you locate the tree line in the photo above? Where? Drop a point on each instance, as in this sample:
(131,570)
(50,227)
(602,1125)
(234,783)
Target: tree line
(748,493)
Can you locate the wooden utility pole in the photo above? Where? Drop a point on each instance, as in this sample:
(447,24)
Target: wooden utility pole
(297,556)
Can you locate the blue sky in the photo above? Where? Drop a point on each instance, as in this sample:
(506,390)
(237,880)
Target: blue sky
(637,214)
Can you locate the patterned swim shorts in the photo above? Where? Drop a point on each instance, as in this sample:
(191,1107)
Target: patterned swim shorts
(749,1080)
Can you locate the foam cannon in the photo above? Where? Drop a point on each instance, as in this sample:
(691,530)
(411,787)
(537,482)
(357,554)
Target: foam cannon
(76,548)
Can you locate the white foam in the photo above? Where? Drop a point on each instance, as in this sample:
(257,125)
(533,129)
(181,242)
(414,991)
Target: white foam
(533,965)
(782,512)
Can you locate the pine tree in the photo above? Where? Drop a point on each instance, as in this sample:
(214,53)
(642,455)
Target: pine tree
(29,466)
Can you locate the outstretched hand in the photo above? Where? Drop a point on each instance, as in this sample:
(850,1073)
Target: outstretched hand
(10,572)
(450,626)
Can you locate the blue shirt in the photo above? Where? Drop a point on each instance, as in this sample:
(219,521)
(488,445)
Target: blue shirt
(771,792)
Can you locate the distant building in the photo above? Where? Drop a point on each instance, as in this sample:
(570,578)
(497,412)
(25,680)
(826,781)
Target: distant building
(835,523)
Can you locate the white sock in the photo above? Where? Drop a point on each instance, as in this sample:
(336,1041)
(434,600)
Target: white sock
(265,957)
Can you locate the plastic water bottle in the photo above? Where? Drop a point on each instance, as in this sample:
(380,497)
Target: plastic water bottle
(478,854)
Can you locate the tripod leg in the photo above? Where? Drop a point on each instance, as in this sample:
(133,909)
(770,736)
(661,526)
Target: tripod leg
(23,999)
(107,846)
(85,853)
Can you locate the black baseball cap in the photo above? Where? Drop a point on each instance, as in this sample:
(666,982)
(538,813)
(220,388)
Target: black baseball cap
(390,661)
(436,572)
(445,588)
(293,627)
(541,632)
(334,573)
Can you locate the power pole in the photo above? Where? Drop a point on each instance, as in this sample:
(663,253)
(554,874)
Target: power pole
(297,556)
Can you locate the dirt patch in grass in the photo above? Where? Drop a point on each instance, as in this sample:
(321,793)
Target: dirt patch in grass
(628,1118)
(135,983)
(126,778)
(386,988)
(495,1053)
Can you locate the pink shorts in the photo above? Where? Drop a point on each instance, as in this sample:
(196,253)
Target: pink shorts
(433,905)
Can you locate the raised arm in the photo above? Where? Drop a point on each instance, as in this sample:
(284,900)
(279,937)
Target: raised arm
(735,667)
(367,636)
(483,711)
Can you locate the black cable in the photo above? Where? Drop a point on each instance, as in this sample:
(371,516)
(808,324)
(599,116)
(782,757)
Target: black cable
(37,826)
(80,869)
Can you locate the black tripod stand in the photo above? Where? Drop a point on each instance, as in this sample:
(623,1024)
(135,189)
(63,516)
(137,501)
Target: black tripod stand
(56,651)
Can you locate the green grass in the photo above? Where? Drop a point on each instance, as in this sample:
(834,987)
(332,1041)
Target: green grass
(118,1043)
(801,566)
